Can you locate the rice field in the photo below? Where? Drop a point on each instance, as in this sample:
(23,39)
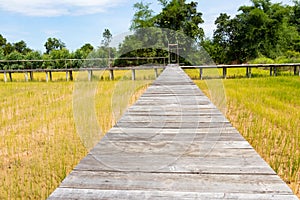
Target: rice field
(40,139)
(266,111)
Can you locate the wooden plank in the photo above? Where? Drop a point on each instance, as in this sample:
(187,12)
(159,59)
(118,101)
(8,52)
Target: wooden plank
(203,183)
(173,143)
(72,193)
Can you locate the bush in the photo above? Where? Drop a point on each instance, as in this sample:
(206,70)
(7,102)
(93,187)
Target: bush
(262,60)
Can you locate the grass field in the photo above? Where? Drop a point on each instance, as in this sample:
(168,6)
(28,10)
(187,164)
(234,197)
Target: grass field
(39,144)
(266,111)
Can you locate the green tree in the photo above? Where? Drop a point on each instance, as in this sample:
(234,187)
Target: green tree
(260,29)
(181,16)
(2,41)
(21,47)
(143,16)
(35,56)
(8,48)
(60,57)
(53,44)
(107,36)
(15,59)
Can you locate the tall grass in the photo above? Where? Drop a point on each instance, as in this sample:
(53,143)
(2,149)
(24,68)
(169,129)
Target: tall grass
(266,112)
(39,144)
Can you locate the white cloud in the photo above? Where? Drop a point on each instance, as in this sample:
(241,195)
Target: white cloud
(50,8)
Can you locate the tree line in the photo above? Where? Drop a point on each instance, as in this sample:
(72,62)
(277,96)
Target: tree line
(261,32)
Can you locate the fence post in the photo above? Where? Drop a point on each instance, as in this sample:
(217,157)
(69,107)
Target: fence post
(5,77)
(31,76)
(90,75)
(10,76)
(156,72)
(50,74)
(249,72)
(111,74)
(47,77)
(26,76)
(133,74)
(271,71)
(67,76)
(71,75)
(224,72)
(201,73)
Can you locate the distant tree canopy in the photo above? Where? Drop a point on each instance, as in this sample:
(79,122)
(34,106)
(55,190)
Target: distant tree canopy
(177,23)
(262,29)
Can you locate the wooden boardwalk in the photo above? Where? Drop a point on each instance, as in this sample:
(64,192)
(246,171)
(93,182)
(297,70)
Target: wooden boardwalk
(173,144)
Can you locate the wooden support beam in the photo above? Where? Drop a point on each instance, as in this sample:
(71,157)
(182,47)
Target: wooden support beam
(71,75)
(224,72)
(67,76)
(111,74)
(133,74)
(249,72)
(295,70)
(156,72)
(271,71)
(50,74)
(275,71)
(31,76)
(90,75)
(26,76)
(47,79)
(10,76)
(5,77)
(201,73)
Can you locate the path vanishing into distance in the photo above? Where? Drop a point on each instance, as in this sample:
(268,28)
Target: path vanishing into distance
(173,143)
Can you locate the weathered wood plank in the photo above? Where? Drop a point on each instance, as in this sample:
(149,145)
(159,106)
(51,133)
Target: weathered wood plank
(94,194)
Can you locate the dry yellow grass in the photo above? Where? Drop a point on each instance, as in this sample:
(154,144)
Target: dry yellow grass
(266,112)
(39,144)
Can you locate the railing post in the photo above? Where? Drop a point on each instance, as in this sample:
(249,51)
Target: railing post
(295,70)
(50,74)
(201,73)
(249,72)
(156,73)
(31,76)
(275,71)
(71,75)
(10,76)
(111,74)
(47,77)
(90,75)
(224,72)
(67,76)
(5,77)
(26,76)
(133,74)
(271,71)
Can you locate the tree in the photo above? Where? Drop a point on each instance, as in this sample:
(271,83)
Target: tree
(8,48)
(14,57)
(33,55)
(176,15)
(2,41)
(21,47)
(143,17)
(106,38)
(59,56)
(54,44)
(262,29)
(181,16)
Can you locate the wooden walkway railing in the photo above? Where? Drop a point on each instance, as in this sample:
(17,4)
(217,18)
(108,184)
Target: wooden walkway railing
(173,144)
(28,73)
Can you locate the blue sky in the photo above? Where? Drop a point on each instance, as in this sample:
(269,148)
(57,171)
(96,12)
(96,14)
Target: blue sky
(77,22)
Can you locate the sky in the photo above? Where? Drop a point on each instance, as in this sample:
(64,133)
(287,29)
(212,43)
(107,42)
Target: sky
(77,22)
